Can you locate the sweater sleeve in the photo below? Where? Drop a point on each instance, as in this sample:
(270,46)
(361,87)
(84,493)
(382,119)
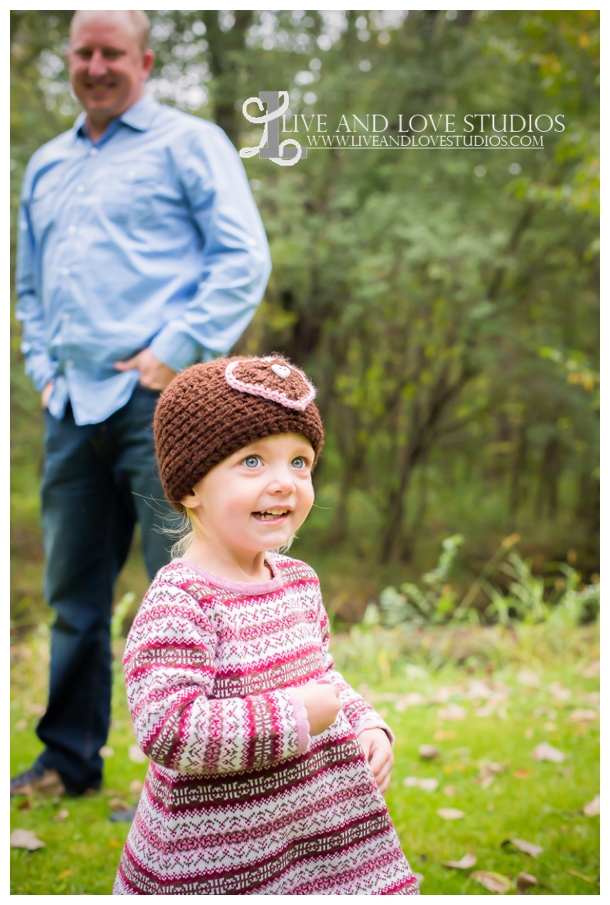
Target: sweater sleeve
(169,668)
(360,714)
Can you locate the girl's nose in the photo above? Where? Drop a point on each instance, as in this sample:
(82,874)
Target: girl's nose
(281,482)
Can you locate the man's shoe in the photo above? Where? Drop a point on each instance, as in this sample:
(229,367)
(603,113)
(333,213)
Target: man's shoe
(37,781)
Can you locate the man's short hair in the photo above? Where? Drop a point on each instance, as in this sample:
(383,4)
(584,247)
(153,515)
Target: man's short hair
(140,21)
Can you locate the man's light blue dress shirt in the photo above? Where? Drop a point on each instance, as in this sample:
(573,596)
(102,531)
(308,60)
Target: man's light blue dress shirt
(149,238)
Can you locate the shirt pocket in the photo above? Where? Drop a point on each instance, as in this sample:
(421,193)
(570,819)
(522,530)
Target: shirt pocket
(127,194)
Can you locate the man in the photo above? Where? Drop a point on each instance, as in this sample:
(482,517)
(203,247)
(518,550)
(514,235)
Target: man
(141,251)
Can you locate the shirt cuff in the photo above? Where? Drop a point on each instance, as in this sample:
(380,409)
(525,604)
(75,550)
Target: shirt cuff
(174,347)
(41,370)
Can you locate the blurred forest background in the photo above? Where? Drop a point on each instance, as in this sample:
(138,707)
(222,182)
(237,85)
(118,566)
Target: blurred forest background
(444,304)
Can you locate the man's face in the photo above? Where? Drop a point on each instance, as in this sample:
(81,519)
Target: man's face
(106,63)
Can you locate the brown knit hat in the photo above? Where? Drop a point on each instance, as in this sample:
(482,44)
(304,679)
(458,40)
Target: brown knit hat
(211,410)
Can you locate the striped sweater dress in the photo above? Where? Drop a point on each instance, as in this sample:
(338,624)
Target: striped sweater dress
(238,799)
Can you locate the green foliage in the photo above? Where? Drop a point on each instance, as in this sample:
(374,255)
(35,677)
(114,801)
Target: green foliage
(530,598)
(436,604)
(448,318)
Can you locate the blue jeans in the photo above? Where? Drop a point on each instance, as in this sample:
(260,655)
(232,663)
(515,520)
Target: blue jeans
(99,480)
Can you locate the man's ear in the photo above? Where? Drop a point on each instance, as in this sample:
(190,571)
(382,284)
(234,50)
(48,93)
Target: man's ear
(148,61)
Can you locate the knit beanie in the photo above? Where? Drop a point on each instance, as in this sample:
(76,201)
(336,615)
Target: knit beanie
(211,410)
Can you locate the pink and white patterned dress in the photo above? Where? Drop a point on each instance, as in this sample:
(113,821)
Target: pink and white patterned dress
(238,799)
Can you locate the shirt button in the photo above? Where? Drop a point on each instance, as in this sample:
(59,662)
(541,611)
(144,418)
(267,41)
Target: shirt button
(80,189)
(93,152)
(72,229)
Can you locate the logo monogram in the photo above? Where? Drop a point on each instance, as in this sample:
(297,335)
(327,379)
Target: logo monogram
(278,153)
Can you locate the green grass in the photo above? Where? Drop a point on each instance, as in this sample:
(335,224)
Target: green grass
(544,806)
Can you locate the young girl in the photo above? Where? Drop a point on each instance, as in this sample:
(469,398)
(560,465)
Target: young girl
(267,770)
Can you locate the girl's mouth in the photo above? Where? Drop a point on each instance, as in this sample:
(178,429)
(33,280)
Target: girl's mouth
(271,515)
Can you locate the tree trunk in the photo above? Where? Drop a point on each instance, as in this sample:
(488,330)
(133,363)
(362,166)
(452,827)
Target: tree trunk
(421,439)
(224,63)
(518,467)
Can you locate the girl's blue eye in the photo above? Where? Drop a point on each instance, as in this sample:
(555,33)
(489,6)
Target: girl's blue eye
(252,461)
(299,462)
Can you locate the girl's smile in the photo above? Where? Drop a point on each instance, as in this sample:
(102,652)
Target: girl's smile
(272,515)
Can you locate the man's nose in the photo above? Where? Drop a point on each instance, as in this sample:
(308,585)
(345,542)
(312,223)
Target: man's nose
(97,63)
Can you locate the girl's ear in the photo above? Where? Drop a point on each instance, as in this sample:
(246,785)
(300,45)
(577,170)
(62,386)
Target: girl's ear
(190,501)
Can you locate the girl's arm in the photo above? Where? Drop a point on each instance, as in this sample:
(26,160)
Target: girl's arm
(360,713)
(169,667)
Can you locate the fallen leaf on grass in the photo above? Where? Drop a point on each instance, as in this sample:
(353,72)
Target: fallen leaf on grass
(428,785)
(464,863)
(26,839)
(419,878)
(479,689)
(427,752)
(450,791)
(117,804)
(591,671)
(488,773)
(528,678)
(412,699)
(444,692)
(21,725)
(135,785)
(493,707)
(591,809)
(521,774)
(452,712)
(583,716)
(106,751)
(114,843)
(442,735)
(64,874)
(525,882)
(544,751)
(61,815)
(450,813)
(559,692)
(137,755)
(527,847)
(492,881)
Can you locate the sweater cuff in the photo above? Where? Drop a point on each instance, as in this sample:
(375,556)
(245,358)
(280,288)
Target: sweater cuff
(300,715)
(376,724)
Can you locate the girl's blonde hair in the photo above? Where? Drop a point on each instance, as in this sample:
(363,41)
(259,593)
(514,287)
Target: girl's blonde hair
(191,524)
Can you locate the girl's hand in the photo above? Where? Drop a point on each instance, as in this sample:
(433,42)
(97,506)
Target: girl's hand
(322,705)
(378,752)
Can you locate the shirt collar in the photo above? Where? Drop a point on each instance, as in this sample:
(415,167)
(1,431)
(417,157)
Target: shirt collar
(139,116)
